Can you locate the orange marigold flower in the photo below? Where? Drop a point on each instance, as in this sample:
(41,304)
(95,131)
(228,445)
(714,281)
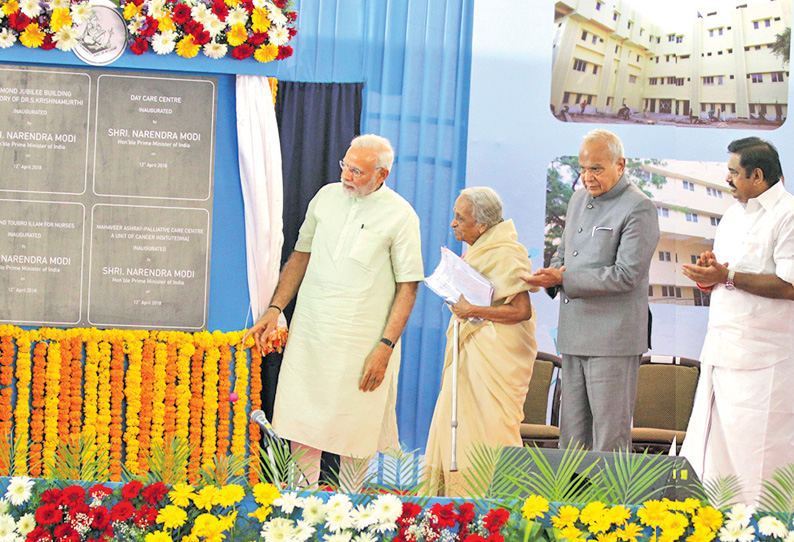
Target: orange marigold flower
(187,47)
(32,36)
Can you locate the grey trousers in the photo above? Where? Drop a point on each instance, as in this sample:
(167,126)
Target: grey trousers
(597,403)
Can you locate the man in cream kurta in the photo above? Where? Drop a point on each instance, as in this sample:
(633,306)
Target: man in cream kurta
(355,269)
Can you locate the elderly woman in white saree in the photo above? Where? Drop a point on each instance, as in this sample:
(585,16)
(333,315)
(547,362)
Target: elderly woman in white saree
(496,356)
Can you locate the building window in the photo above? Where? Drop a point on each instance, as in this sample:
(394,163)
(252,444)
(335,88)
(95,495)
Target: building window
(664,256)
(584,35)
(719,79)
(595,39)
(628,25)
(671,291)
(679,39)
(663,211)
(730,51)
(680,82)
(757,78)
(777,77)
(689,186)
(566,97)
(708,80)
(579,65)
(691,217)
(595,69)
(733,110)
(657,59)
(701,299)
(650,290)
(670,37)
(767,22)
(652,81)
(614,15)
(755,25)
(667,58)
(720,31)
(632,78)
(711,33)
(598,6)
(715,221)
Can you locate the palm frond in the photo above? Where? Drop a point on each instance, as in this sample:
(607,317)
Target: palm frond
(721,492)
(484,478)
(280,466)
(167,462)
(79,458)
(777,494)
(399,471)
(631,477)
(353,475)
(223,469)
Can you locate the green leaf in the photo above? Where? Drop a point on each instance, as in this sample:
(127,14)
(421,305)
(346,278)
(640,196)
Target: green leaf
(777,494)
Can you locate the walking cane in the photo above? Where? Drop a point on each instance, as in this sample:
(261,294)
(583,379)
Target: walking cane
(453,462)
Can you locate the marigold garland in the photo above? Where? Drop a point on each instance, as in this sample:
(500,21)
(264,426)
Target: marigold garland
(37,415)
(224,406)
(183,396)
(91,392)
(116,402)
(147,395)
(104,395)
(51,401)
(6,380)
(209,444)
(65,399)
(196,408)
(169,417)
(76,401)
(240,414)
(256,404)
(158,395)
(132,391)
(22,411)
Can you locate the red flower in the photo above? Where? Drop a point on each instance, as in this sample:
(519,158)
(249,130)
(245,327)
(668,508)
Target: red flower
(284,51)
(137,2)
(131,489)
(101,518)
(193,27)
(466,513)
(51,496)
(65,533)
(18,21)
(257,39)
(445,515)
(219,8)
(202,38)
(248,5)
(138,46)
(408,517)
(292,16)
(72,496)
(495,519)
(181,14)
(122,511)
(474,538)
(48,514)
(48,44)
(280,3)
(495,537)
(292,32)
(39,534)
(242,51)
(150,27)
(154,493)
(99,491)
(145,516)
(77,509)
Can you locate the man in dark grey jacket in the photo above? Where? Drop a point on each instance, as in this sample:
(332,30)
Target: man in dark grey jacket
(601,270)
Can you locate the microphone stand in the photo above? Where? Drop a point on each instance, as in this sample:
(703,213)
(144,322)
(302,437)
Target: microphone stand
(453,462)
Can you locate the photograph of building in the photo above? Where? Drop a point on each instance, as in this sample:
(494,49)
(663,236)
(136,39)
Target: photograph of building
(723,67)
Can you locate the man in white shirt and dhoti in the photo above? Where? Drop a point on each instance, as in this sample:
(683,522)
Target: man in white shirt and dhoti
(355,270)
(742,422)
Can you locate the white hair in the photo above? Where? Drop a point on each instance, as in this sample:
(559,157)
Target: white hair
(380,145)
(614,144)
(485,203)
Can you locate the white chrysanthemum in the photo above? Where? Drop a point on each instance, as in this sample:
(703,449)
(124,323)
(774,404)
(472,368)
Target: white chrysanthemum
(789,537)
(215,50)
(26,524)
(339,537)
(364,517)
(288,502)
(740,515)
(31,8)
(737,533)
(237,16)
(201,13)
(275,15)
(365,537)
(338,519)
(156,8)
(164,42)
(771,526)
(303,531)
(59,4)
(136,24)
(388,508)
(19,490)
(80,12)
(7,38)
(66,38)
(214,25)
(278,530)
(385,527)
(8,527)
(314,510)
(260,3)
(340,501)
(4,507)
(278,35)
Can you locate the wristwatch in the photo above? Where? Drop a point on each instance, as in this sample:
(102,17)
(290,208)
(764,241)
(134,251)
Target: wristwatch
(729,284)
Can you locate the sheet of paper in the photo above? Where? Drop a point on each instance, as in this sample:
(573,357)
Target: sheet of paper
(453,277)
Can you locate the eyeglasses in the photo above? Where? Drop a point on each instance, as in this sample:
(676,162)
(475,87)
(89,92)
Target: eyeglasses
(596,171)
(353,170)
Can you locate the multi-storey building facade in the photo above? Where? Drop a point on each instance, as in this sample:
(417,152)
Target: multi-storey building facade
(690,205)
(610,54)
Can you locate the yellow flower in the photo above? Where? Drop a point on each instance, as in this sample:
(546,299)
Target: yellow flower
(652,513)
(60,18)
(228,495)
(187,47)
(180,494)
(261,513)
(592,512)
(619,515)
(166,23)
(236,35)
(266,53)
(205,497)
(570,533)
(208,527)
(607,537)
(131,10)
(172,517)
(629,533)
(535,506)
(228,520)
(11,6)
(32,36)
(265,493)
(566,517)
(158,536)
(674,525)
(259,20)
(600,525)
(708,517)
(701,534)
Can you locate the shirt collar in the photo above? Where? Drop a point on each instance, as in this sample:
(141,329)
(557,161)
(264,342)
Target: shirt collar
(615,191)
(768,199)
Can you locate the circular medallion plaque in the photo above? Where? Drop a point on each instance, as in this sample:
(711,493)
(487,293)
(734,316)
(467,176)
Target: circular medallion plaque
(102,38)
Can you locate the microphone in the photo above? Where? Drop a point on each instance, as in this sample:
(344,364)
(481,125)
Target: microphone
(259,418)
